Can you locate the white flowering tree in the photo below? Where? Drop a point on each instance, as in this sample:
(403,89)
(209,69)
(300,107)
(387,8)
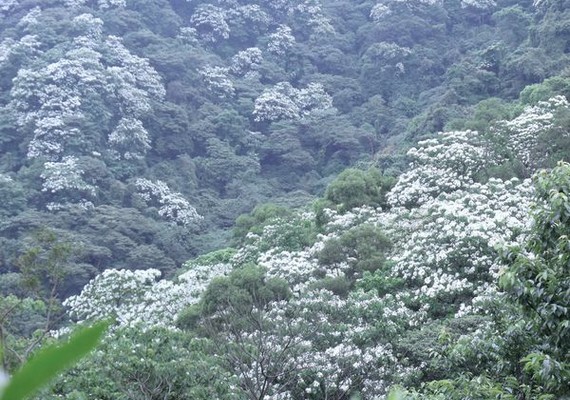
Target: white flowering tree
(55,101)
(172,206)
(525,135)
(89,91)
(218,80)
(140,298)
(100,4)
(444,164)
(379,12)
(65,179)
(210,23)
(283,101)
(245,61)
(281,41)
(130,139)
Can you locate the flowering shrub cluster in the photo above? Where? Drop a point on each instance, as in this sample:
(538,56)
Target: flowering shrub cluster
(444,261)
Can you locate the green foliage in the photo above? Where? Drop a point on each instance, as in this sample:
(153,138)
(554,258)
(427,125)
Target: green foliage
(413,69)
(243,289)
(339,285)
(485,113)
(380,282)
(538,279)
(254,222)
(12,196)
(156,363)
(365,245)
(354,188)
(51,361)
(396,71)
(214,257)
(557,85)
(396,394)
(43,266)
(40,283)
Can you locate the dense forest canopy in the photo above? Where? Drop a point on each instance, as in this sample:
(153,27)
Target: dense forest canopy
(291,199)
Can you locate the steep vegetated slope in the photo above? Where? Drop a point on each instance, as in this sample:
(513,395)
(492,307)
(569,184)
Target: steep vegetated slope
(382,283)
(133,134)
(139,130)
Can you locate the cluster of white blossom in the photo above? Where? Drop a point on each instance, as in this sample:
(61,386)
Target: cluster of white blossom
(281,40)
(243,64)
(90,26)
(283,101)
(31,19)
(214,21)
(210,23)
(60,87)
(453,253)
(5,178)
(52,101)
(27,45)
(106,4)
(66,176)
(100,4)
(133,81)
(332,345)
(218,80)
(483,5)
(130,139)
(246,60)
(312,11)
(49,100)
(298,268)
(379,11)
(6,6)
(413,3)
(171,205)
(387,52)
(251,14)
(198,276)
(441,165)
(138,298)
(388,57)
(188,35)
(523,133)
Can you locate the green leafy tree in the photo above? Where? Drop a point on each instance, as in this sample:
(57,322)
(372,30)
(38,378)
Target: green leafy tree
(25,321)
(538,279)
(354,187)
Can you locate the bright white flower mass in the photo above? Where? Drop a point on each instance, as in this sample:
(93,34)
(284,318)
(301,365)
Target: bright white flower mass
(139,298)
(171,205)
(283,101)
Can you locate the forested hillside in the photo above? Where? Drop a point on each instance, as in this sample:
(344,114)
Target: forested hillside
(387,158)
